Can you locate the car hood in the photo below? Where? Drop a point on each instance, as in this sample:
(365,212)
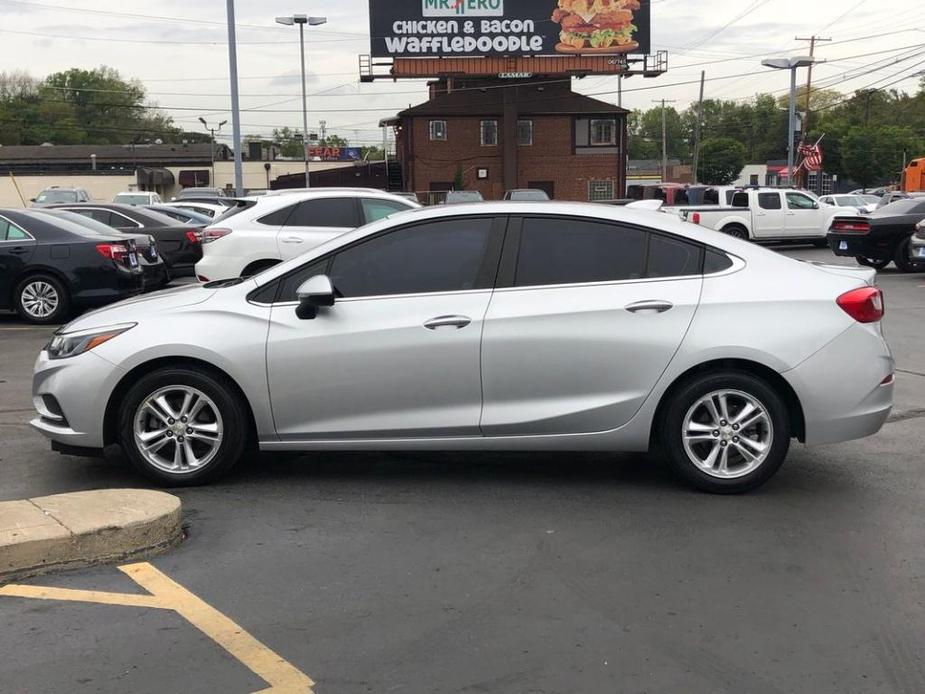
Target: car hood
(145,306)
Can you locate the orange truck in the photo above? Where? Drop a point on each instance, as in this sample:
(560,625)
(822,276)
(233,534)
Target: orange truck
(914,177)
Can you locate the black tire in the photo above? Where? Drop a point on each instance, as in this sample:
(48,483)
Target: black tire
(672,428)
(258,266)
(736,231)
(871,262)
(234,425)
(57,290)
(901,257)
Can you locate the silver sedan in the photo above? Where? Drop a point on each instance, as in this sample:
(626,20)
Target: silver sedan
(498,326)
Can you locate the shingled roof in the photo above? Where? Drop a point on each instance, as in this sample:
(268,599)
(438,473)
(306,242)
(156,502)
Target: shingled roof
(110,154)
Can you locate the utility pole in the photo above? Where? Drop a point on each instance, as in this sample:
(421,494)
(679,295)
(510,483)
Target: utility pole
(809,91)
(620,91)
(699,128)
(235,103)
(664,138)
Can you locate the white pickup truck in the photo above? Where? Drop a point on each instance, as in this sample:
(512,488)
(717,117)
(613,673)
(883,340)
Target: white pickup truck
(769,214)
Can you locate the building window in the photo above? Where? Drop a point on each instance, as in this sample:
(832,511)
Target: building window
(827,184)
(525,133)
(489,133)
(600,190)
(603,132)
(438,130)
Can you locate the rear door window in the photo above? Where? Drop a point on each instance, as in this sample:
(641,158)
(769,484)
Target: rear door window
(325,212)
(769,201)
(374,210)
(671,257)
(796,201)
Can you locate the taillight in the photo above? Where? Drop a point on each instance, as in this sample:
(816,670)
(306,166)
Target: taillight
(695,218)
(210,234)
(865,305)
(850,226)
(193,236)
(113,251)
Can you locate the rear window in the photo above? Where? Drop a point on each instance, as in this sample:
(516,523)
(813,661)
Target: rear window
(133,199)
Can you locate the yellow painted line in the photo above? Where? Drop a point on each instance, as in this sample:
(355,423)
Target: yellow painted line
(167,594)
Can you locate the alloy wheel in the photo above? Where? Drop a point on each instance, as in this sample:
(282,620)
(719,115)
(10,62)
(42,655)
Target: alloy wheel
(727,434)
(39,299)
(178,429)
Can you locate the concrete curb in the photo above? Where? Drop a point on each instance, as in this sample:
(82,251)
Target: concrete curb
(68,531)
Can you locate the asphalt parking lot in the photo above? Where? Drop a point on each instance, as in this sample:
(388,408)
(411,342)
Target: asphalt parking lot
(507,573)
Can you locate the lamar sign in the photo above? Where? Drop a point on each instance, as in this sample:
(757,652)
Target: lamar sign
(460,28)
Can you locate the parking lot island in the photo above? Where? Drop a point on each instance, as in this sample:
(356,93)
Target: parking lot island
(84,528)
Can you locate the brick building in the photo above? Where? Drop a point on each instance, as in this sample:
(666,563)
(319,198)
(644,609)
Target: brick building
(502,135)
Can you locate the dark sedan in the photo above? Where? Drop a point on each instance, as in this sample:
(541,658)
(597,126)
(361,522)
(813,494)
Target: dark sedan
(153,268)
(182,214)
(179,243)
(877,239)
(48,266)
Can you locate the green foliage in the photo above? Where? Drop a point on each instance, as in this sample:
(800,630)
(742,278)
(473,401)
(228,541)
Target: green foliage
(876,153)
(721,160)
(79,107)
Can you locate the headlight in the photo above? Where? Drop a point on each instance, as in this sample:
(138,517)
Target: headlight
(72,344)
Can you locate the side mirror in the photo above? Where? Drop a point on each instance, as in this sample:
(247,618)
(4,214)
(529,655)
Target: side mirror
(815,205)
(31,199)
(314,293)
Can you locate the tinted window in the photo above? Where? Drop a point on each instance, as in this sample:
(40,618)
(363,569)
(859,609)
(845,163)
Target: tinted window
(278,218)
(374,210)
(102,216)
(292,282)
(769,201)
(441,256)
(10,232)
(325,212)
(120,221)
(795,201)
(669,257)
(711,197)
(567,251)
(715,261)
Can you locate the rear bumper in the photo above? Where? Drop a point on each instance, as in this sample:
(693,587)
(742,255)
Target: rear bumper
(845,388)
(155,276)
(115,286)
(853,245)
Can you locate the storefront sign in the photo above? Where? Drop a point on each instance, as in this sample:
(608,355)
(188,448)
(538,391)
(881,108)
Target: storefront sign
(458,28)
(334,153)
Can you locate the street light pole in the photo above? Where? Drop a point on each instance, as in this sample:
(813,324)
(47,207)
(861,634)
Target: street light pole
(792,64)
(212,132)
(235,103)
(302,20)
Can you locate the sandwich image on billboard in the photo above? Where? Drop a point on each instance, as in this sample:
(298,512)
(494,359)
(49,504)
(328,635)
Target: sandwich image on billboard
(596,26)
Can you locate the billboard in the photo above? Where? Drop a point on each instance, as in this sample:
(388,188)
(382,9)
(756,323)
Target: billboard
(461,28)
(324,153)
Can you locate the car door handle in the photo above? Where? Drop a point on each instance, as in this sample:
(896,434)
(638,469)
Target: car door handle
(293,239)
(19,250)
(458,322)
(650,307)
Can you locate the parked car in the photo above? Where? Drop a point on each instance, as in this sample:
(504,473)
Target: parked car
(917,246)
(497,326)
(179,244)
(182,214)
(526,195)
(876,192)
(57,194)
(212,210)
(199,193)
(154,271)
(768,214)
(862,203)
(454,197)
(877,239)
(272,228)
(890,197)
(49,266)
(137,197)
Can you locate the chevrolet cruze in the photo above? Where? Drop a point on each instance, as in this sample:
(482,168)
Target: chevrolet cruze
(495,326)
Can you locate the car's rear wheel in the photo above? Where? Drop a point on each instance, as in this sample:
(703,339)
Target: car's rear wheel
(901,256)
(42,299)
(726,432)
(736,231)
(871,262)
(180,427)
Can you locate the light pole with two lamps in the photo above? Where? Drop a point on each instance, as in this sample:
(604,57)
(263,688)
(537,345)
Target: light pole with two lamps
(302,20)
(792,64)
(212,131)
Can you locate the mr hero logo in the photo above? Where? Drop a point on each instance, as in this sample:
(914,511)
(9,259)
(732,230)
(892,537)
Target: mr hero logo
(456,8)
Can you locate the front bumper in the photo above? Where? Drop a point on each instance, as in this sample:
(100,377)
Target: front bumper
(81,387)
(846,388)
(917,250)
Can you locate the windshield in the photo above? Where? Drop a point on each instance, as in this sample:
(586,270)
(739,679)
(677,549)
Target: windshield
(532,195)
(133,199)
(52,196)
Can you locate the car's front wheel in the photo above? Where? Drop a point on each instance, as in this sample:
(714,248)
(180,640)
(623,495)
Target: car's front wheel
(871,262)
(726,432)
(181,427)
(901,257)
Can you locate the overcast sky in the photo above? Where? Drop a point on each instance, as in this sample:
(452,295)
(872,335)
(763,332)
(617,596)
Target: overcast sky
(177,49)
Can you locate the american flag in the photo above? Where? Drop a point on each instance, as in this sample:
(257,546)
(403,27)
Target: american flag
(812,156)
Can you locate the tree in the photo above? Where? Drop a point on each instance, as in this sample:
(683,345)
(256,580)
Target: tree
(289,141)
(721,161)
(875,154)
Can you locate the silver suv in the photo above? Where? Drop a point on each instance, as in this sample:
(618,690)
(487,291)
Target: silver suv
(56,195)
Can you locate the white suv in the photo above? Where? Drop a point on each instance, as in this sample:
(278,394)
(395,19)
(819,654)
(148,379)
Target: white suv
(263,231)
